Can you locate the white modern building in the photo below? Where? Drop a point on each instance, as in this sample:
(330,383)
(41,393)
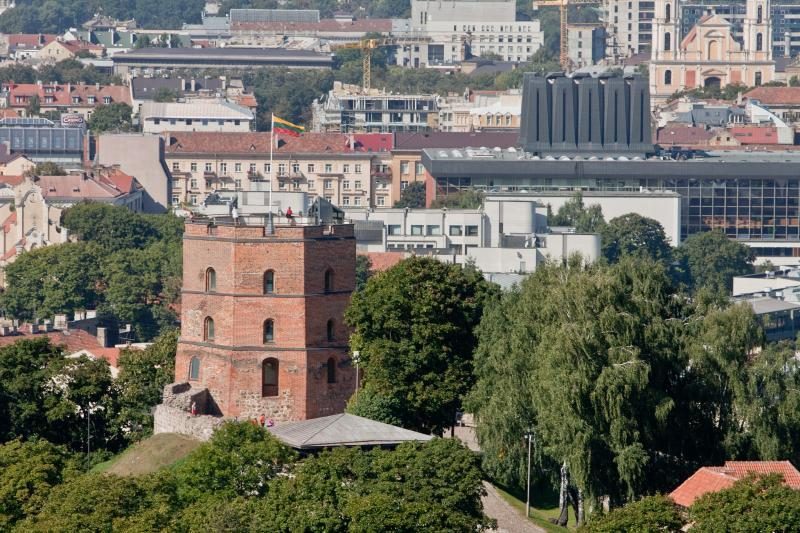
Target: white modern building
(207,115)
(450,31)
(508,235)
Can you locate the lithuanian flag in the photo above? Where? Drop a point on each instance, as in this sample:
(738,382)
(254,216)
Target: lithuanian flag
(287,128)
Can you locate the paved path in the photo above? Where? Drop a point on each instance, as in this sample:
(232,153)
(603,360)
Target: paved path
(509,520)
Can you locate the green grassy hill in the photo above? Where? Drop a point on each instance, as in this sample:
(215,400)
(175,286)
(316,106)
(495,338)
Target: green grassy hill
(149,455)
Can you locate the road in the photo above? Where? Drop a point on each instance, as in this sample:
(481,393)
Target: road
(509,520)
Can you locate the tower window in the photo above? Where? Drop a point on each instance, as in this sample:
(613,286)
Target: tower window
(760,15)
(328,280)
(668,12)
(331,370)
(269,330)
(269,377)
(194,369)
(211,280)
(269,282)
(330,330)
(758,79)
(759,42)
(668,77)
(667,42)
(208,329)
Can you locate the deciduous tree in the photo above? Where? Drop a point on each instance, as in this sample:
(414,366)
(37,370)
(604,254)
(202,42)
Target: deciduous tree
(414,327)
(634,234)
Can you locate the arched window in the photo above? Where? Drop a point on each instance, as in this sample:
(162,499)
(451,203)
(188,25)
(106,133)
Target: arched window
(328,280)
(760,14)
(269,282)
(269,377)
(208,329)
(331,335)
(331,370)
(668,13)
(667,42)
(269,330)
(211,280)
(194,369)
(759,42)
(667,77)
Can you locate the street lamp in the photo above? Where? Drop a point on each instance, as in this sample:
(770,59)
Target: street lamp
(356,360)
(529,438)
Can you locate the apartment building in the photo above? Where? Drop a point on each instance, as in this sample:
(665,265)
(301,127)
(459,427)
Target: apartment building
(586,44)
(202,114)
(481,110)
(346,170)
(450,32)
(78,98)
(348,108)
(629,24)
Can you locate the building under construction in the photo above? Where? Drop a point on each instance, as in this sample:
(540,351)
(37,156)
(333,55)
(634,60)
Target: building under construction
(349,108)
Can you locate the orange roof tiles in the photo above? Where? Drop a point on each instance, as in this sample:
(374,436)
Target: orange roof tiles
(72,340)
(775,95)
(715,478)
(66,94)
(196,142)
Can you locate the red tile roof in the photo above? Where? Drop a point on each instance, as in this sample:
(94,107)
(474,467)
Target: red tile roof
(421,141)
(375,142)
(755,134)
(715,478)
(63,94)
(9,222)
(775,95)
(11,181)
(683,135)
(78,44)
(196,142)
(29,40)
(384,260)
(103,186)
(72,340)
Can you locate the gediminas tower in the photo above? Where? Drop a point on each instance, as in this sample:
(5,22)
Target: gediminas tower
(262,318)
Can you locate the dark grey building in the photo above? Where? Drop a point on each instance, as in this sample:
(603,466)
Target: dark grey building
(219,58)
(602,116)
(43,140)
(594,135)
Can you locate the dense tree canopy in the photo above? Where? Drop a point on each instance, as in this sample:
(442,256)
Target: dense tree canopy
(114,117)
(603,363)
(711,260)
(574,213)
(51,16)
(412,196)
(126,265)
(650,514)
(245,480)
(634,234)
(414,327)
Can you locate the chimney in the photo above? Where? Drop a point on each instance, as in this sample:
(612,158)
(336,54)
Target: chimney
(80,315)
(106,338)
(60,322)
(47,327)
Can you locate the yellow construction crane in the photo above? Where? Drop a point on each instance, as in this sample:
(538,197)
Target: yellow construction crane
(563,5)
(367,46)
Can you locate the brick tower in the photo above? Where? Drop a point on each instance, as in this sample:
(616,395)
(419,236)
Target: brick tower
(262,318)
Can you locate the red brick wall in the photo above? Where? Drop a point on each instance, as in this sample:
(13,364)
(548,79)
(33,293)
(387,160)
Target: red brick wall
(230,365)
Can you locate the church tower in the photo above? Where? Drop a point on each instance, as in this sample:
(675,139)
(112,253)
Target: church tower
(666,31)
(758,31)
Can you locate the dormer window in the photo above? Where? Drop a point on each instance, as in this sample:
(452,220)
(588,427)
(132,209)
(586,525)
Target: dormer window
(106,100)
(76,99)
(92,99)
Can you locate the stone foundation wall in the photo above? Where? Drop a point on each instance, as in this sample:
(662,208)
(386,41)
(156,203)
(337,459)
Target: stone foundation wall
(172,420)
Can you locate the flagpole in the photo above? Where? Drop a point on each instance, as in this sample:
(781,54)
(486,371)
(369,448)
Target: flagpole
(271,170)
